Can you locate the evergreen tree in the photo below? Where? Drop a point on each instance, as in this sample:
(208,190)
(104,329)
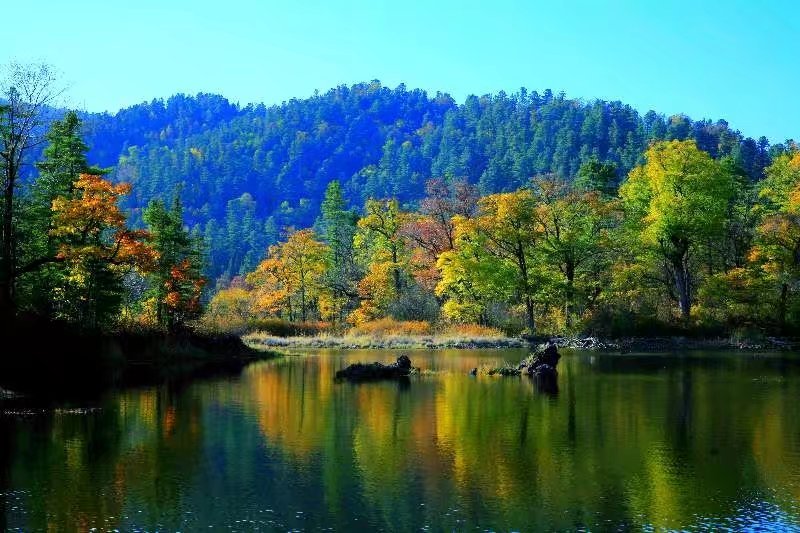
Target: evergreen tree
(338,227)
(63,160)
(176,281)
(596,176)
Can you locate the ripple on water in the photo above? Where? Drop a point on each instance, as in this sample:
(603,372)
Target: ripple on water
(753,515)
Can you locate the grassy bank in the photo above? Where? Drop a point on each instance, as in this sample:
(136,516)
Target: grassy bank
(351,341)
(57,360)
(384,333)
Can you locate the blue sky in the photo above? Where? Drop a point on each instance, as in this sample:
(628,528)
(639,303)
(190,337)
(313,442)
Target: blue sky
(733,59)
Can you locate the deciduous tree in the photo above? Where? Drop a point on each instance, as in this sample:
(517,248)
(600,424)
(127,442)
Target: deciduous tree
(98,249)
(574,227)
(505,230)
(25,93)
(290,278)
(674,203)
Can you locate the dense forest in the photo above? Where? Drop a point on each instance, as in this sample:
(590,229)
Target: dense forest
(687,243)
(530,212)
(245,174)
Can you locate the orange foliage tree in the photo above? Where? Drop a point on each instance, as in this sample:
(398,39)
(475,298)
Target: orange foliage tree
(97,248)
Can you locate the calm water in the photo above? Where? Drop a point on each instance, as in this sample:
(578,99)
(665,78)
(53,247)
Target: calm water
(698,441)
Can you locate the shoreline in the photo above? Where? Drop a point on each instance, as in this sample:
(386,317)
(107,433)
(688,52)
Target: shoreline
(69,364)
(674,344)
(260,341)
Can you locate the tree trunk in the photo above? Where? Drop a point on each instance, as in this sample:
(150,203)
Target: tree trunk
(683,289)
(7,307)
(396,272)
(530,314)
(523,268)
(570,273)
(303,303)
(782,306)
(679,260)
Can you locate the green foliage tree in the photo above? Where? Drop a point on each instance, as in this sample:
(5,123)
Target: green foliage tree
(777,246)
(472,279)
(674,204)
(574,227)
(596,176)
(338,226)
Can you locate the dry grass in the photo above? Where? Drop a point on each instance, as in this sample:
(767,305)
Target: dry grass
(385,333)
(387,327)
(388,334)
(473,330)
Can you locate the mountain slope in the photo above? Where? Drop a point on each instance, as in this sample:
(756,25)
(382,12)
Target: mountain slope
(245,173)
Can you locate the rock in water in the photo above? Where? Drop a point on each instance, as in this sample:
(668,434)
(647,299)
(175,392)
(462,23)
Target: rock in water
(372,371)
(548,356)
(542,364)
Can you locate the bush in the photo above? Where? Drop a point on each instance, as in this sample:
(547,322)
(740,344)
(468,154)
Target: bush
(414,304)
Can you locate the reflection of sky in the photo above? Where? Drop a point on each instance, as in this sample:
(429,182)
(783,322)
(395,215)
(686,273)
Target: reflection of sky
(700,441)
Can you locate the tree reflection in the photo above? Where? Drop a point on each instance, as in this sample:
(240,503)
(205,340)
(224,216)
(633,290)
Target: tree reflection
(646,446)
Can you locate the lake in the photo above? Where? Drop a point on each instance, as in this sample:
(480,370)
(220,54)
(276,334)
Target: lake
(692,441)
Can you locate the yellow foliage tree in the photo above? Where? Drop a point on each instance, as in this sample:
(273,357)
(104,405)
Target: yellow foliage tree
(777,247)
(289,280)
(230,309)
(494,252)
(382,248)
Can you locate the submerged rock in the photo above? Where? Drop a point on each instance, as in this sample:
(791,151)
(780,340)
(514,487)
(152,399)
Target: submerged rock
(372,371)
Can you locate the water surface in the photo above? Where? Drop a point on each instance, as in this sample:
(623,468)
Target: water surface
(693,441)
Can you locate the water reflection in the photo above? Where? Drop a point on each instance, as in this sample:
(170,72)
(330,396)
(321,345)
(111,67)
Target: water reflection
(691,441)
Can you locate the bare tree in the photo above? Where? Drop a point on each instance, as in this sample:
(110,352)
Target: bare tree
(27,93)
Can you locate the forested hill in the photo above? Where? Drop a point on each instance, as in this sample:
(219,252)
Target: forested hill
(245,173)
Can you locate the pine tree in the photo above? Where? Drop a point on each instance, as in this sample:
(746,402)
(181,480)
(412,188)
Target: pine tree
(176,280)
(63,161)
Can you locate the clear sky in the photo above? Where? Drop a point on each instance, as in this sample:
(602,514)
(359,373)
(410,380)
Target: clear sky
(731,59)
